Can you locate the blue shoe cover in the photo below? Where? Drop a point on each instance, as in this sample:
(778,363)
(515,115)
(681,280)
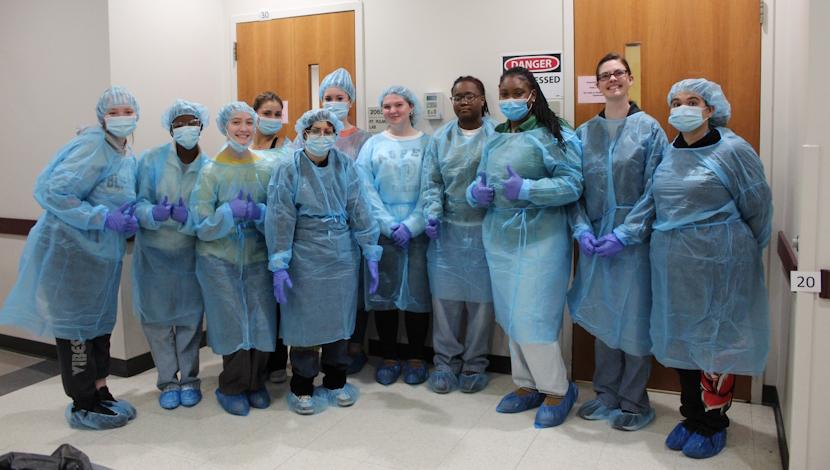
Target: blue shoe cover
(122,407)
(357,363)
(703,447)
(83,419)
(259,399)
(514,403)
(678,436)
(594,410)
(472,383)
(170,399)
(234,404)
(190,396)
(442,381)
(415,375)
(346,396)
(387,375)
(549,416)
(625,421)
(307,405)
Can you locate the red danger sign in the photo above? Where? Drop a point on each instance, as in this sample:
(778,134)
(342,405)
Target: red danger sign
(534,63)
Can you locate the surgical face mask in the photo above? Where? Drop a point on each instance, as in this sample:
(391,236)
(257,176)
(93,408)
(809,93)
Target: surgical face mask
(187,136)
(269,126)
(121,126)
(338,108)
(514,109)
(686,118)
(236,146)
(320,145)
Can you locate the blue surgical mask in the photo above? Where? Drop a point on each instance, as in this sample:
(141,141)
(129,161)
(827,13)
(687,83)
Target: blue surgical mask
(338,108)
(121,126)
(187,136)
(514,109)
(269,126)
(236,146)
(686,118)
(320,145)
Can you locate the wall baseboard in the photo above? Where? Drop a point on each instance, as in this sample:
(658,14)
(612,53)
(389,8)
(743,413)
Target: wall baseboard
(769,397)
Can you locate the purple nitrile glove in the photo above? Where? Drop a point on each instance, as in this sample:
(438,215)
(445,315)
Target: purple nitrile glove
(401,235)
(512,185)
(373,273)
(239,206)
(117,220)
(131,225)
(253,211)
(179,212)
(161,211)
(433,228)
(609,245)
(281,280)
(587,244)
(482,193)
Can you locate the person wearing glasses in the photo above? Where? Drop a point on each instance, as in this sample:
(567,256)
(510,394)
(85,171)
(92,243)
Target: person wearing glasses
(166,293)
(390,164)
(710,316)
(458,275)
(337,94)
(611,292)
(317,223)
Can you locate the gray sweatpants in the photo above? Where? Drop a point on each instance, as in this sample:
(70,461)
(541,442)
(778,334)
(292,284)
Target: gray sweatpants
(620,379)
(450,352)
(175,349)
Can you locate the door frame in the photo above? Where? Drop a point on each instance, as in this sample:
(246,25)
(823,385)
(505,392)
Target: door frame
(766,128)
(337,7)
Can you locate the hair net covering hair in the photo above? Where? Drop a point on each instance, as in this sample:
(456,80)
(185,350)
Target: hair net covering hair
(115,96)
(229,110)
(406,94)
(310,117)
(711,92)
(183,108)
(340,78)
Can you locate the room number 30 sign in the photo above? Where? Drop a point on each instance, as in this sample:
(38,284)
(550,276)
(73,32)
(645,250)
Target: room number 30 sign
(805,281)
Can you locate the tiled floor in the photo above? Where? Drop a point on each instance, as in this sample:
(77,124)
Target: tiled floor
(394,427)
(12,361)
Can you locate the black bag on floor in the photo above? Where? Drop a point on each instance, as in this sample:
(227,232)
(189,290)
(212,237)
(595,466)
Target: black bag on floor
(64,457)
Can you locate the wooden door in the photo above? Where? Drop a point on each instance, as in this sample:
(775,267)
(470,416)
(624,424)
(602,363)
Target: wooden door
(277,55)
(714,39)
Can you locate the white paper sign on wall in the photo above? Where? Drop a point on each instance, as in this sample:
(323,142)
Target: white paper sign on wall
(546,67)
(374,120)
(805,281)
(587,91)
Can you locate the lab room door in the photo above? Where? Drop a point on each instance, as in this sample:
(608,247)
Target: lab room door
(666,41)
(288,55)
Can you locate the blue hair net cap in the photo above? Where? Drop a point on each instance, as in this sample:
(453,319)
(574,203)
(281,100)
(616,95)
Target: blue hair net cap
(406,94)
(229,110)
(310,117)
(711,92)
(184,108)
(115,96)
(340,78)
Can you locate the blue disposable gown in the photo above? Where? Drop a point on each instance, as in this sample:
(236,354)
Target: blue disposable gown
(456,261)
(165,289)
(314,216)
(231,257)
(611,297)
(527,242)
(391,174)
(714,209)
(70,270)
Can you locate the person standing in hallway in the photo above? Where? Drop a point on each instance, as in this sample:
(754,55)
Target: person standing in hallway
(710,316)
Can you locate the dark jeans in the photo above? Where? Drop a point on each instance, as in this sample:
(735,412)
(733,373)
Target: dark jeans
(243,371)
(417,327)
(81,364)
(305,365)
(698,418)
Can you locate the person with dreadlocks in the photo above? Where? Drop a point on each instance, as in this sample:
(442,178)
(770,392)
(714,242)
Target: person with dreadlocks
(530,171)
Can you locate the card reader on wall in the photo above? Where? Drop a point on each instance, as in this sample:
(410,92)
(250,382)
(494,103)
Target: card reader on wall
(432,105)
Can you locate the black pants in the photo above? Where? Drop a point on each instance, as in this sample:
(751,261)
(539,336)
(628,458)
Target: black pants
(278,359)
(81,364)
(360,323)
(417,326)
(243,371)
(698,419)
(306,361)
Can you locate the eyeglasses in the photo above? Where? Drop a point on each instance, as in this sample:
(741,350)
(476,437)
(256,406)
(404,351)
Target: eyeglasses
(318,132)
(192,122)
(618,74)
(468,98)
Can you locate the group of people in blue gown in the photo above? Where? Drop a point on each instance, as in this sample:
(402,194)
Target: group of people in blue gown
(282,248)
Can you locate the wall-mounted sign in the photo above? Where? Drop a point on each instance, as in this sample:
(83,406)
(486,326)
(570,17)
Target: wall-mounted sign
(587,91)
(546,67)
(374,120)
